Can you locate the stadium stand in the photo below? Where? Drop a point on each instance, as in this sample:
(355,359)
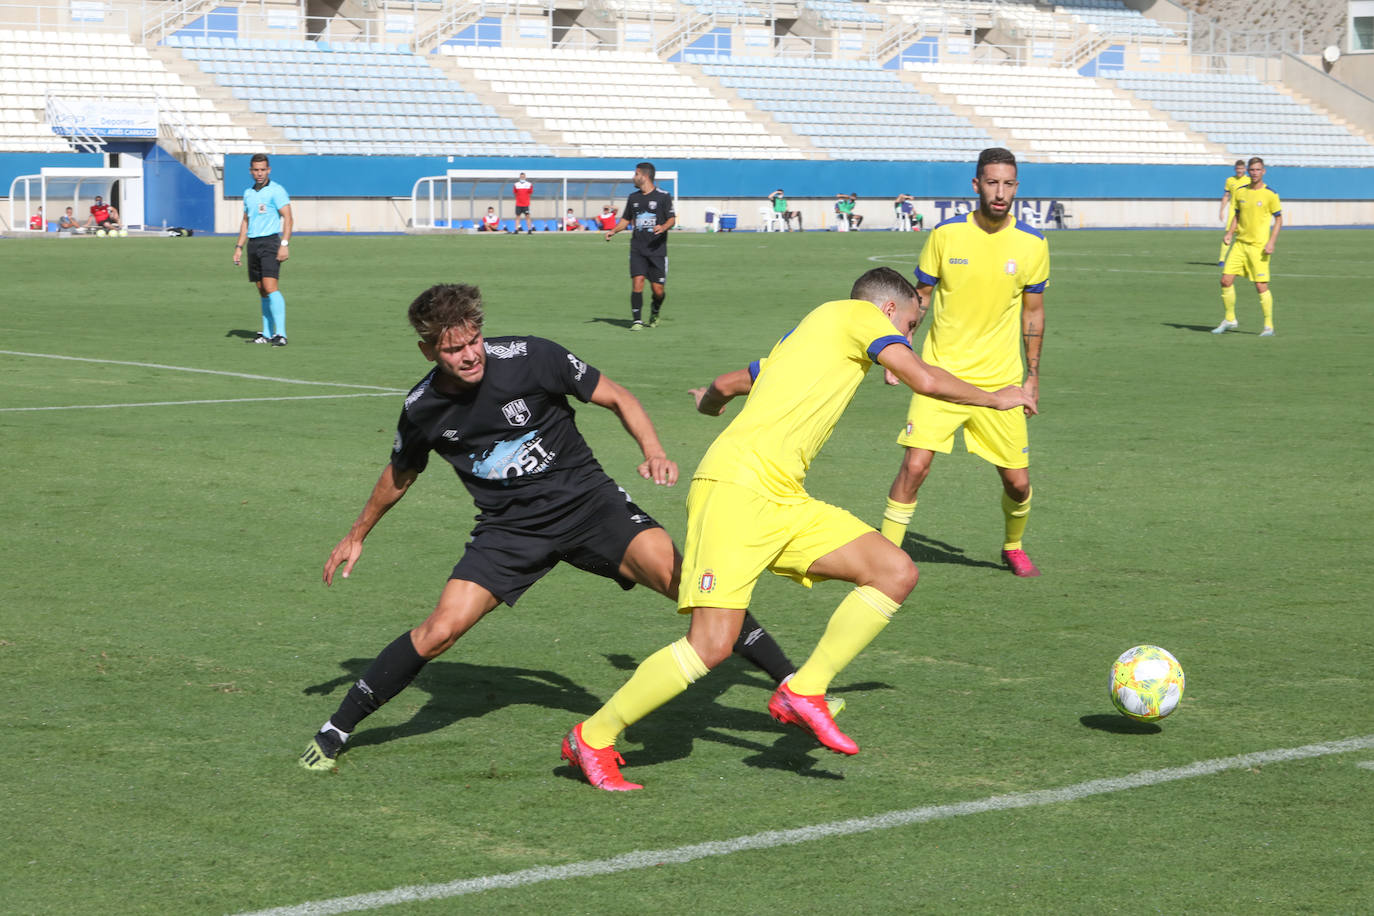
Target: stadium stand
(95,65)
(356,97)
(1057,115)
(849,109)
(607,103)
(1111,18)
(1249,117)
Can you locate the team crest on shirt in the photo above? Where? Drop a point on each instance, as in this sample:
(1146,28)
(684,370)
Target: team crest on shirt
(708,581)
(1011,268)
(653,205)
(517,414)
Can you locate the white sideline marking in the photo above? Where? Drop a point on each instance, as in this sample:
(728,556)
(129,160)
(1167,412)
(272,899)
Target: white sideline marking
(298,397)
(261,378)
(633,861)
(1366,764)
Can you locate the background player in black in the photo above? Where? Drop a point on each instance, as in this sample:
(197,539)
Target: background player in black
(497,410)
(649,212)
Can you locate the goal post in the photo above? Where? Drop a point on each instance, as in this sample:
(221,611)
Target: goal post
(460,196)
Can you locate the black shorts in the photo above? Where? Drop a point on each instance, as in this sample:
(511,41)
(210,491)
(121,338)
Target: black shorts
(522,211)
(506,560)
(261,255)
(653,266)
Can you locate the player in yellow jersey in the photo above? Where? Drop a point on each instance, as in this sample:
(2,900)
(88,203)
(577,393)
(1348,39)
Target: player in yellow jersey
(1238,180)
(1256,218)
(983,276)
(748,512)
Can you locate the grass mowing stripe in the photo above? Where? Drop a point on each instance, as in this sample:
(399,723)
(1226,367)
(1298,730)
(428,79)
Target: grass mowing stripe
(633,861)
(260,378)
(297,397)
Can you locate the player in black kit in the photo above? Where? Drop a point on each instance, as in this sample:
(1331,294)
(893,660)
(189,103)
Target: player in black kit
(649,212)
(497,410)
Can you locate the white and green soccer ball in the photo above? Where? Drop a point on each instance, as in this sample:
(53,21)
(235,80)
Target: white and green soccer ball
(1147,683)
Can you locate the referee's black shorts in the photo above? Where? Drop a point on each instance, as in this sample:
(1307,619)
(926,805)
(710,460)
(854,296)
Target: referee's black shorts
(507,559)
(261,255)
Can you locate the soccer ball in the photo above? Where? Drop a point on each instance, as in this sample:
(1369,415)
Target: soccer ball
(1147,683)
(100,233)
(124,233)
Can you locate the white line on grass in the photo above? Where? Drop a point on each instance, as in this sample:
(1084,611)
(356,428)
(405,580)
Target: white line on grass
(634,861)
(298,397)
(261,378)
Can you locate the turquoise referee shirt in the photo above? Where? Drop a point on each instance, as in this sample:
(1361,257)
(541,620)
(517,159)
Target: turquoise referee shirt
(262,207)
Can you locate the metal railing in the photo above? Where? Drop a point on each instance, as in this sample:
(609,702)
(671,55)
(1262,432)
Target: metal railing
(57,112)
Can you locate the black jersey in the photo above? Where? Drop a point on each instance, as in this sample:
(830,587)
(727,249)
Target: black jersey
(643,212)
(512,439)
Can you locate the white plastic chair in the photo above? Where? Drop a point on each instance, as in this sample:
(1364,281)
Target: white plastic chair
(772,220)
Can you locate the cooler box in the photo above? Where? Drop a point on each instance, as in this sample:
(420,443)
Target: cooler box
(728,221)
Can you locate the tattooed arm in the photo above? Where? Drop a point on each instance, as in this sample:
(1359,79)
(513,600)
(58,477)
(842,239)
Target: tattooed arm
(1032,336)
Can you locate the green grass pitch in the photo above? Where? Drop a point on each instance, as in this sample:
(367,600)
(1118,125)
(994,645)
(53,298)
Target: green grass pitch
(167,646)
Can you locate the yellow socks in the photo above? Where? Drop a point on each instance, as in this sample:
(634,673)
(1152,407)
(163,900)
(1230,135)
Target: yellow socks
(1228,300)
(1017,515)
(658,679)
(896,518)
(860,617)
(1267,306)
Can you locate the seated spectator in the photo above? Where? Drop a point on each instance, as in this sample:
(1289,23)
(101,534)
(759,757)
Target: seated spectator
(904,208)
(490,221)
(780,207)
(570,222)
(845,207)
(103,216)
(608,218)
(36,221)
(67,222)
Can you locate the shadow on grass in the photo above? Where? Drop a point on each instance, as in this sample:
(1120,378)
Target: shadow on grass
(240,333)
(1119,725)
(925,549)
(458,691)
(616,322)
(1202,327)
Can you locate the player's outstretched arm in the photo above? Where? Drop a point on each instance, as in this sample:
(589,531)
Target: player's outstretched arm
(712,399)
(616,398)
(390,487)
(934,382)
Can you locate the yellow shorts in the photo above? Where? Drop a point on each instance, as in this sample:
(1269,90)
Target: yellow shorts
(1248,261)
(734,534)
(997,436)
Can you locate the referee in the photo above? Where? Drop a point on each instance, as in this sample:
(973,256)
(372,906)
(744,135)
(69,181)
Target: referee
(266,230)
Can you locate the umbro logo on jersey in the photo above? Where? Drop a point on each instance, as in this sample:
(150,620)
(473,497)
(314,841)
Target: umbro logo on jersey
(517,414)
(579,367)
(451,435)
(500,351)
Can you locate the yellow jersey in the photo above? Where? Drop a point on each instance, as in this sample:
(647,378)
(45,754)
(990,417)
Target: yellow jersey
(1255,211)
(799,393)
(1236,181)
(975,327)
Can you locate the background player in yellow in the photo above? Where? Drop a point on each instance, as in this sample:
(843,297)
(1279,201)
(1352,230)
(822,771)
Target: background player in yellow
(1238,180)
(983,276)
(748,512)
(1256,218)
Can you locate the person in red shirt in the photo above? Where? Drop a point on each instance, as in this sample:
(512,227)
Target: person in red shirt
(490,222)
(523,188)
(608,218)
(570,222)
(36,221)
(103,216)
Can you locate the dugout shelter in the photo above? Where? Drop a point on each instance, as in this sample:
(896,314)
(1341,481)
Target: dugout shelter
(62,187)
(460,196)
